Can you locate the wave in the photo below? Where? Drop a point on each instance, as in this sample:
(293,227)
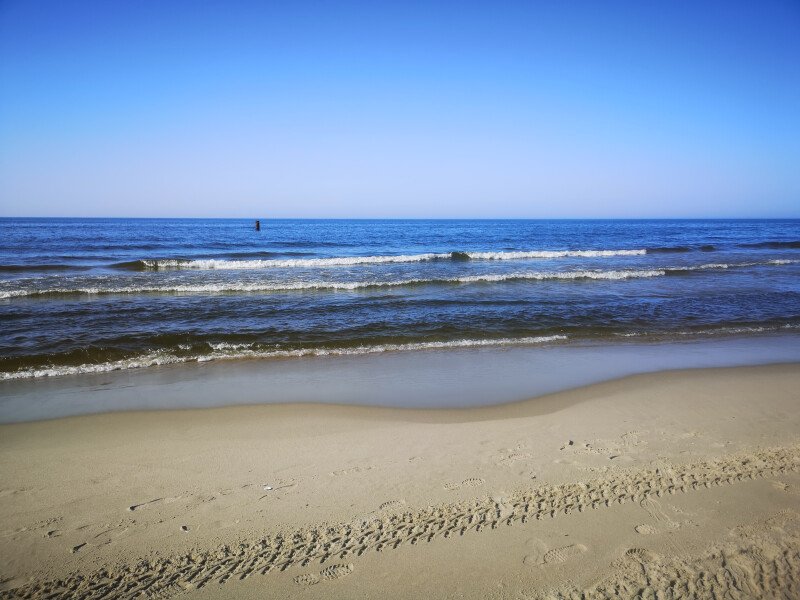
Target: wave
(131,265)
(220,264)
(346,261)
(681,249)
(240,287)
(227,351)
(552,254)
(263,254)
(40,267)
(240,351)
(725,266)
(669,250)
(313,244)
(722,330)
(215,288)
(774,245)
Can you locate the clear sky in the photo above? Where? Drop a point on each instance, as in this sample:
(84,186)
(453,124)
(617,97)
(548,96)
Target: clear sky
(414,109)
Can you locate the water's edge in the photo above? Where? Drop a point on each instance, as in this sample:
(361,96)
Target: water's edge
(452,378)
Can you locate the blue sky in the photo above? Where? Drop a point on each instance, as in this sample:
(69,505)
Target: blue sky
(462,109)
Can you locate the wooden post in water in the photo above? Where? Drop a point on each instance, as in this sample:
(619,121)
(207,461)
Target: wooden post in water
(258,225)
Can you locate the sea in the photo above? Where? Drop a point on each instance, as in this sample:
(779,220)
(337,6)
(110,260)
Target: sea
(98,295)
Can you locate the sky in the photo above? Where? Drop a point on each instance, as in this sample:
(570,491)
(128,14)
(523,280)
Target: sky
(561,109)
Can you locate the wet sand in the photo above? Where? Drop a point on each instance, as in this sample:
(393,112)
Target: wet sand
(452,378)
(675,482)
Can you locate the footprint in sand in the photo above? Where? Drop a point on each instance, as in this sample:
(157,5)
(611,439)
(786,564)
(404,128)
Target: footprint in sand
(307,579)
(563,554)
(508,458)
(658,514)
(328,574)
(469,482)
(640,555)
(537,551)
(473,482)
(351,470)
(645,529)
(391,504)
(634,556)
(336,571)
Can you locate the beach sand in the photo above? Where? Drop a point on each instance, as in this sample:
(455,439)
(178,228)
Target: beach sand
(684,483)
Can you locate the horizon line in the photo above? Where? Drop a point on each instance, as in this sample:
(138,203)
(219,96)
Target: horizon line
(268,219)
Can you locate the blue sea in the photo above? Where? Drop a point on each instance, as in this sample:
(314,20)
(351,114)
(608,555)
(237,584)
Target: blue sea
(97,295)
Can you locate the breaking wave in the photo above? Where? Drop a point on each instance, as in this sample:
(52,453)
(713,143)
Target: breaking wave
(241,287)
(227,351)
(346,261)
(712,331)
(774,245)
(255,287)
(41,267)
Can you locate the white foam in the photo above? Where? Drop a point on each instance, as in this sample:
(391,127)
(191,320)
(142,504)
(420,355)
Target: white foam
(553,254)
(714,331)
(342,261)
(723,266)
(15,293)
(737,330)
(226,351)
(215,288)
(218,264)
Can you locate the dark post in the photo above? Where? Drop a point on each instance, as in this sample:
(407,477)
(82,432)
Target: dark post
(258,225)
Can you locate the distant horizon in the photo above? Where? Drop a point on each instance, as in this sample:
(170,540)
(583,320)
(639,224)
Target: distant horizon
(270,219)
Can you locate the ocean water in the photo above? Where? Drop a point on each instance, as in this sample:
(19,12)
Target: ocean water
(97,295)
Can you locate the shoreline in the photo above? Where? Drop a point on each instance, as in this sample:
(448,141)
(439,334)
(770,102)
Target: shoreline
(545,404)
(86,494)
(429,379)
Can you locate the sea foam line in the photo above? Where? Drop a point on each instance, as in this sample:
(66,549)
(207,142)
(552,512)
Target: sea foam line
(344,261)
(217,288)
(710,331)
(334,285)
(225,351)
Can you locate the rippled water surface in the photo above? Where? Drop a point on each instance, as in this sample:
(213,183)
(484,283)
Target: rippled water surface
(103,294)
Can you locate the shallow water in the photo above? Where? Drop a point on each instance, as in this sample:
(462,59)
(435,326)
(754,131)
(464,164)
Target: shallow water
(452,378)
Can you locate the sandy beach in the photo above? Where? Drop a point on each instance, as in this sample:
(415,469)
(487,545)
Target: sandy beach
(683,482)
